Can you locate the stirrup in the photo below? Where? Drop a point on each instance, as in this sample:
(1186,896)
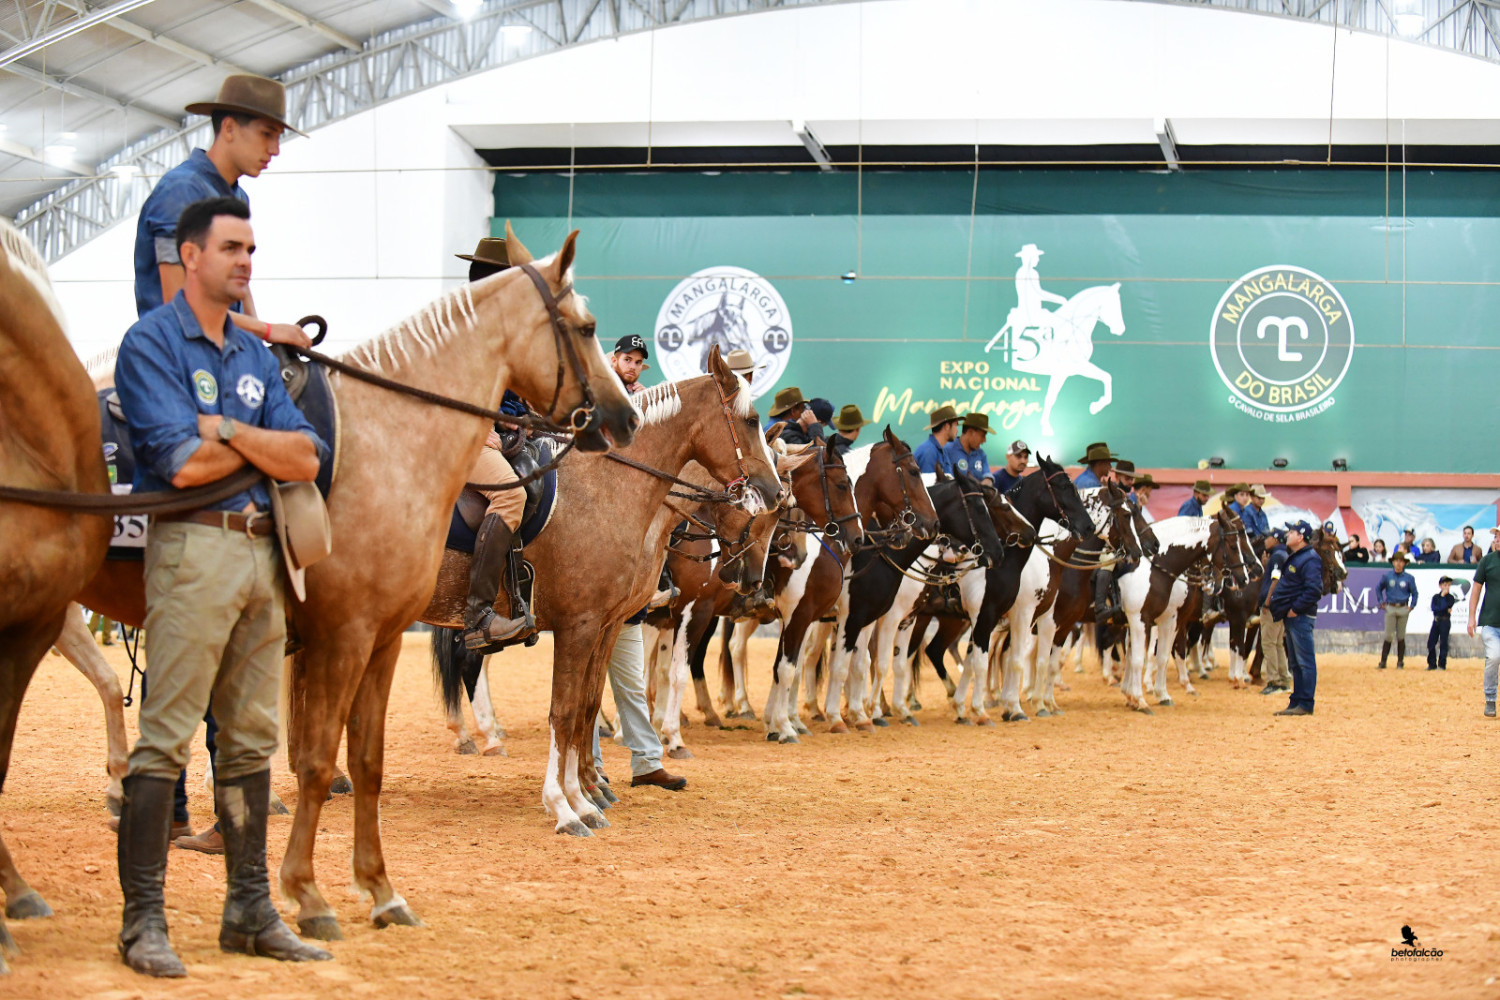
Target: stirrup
(479,638)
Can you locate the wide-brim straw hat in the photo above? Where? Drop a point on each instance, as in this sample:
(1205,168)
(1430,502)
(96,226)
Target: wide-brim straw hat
(303,529)
(1259,491)
(742,363)
(491,250)
(940,416)
(785,400)
(248,94)
(850,418)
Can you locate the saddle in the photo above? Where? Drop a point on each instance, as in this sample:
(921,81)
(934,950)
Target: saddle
(541,500)
(306,383)
(940,602)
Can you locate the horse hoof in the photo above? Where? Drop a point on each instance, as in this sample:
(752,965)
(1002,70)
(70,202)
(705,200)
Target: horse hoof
(608,793)
(398,916)
(597,798)
(772,736)
(30,906)
(713,722)
(916,706)
(1165,702)
(907,720)
(881,722)
(1015,717)
(320,928)
(575,828)
(992,703)
(865,727)
(1145,710)
(819,717)
(494,751)
(962,721)
(278,807)
(595,821)
(790,738)
(1056,711)
(341,785)
(680,753)
(800,728)
(113,804)
(985,723)
(1042,713)
(838,727)
(467,748)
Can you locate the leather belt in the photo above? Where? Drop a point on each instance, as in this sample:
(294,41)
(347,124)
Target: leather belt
(257,524)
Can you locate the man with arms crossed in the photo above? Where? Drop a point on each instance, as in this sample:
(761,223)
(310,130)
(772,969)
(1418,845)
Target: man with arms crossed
(203,399)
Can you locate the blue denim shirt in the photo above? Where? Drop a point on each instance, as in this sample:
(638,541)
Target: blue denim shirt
(972,463)
(1397,588)
(1256,521)
(1190,508)
(192,180)
(930,456)
(1087,480)
(168,372)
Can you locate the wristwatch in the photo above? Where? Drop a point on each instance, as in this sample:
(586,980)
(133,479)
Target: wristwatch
(226,430)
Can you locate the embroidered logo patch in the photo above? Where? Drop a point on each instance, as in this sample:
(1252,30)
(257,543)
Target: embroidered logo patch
(251,390)
(206,387)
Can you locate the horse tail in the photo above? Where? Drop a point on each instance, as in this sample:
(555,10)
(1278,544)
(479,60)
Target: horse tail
(453,664)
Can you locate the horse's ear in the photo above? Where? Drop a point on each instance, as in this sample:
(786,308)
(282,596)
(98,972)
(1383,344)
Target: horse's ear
(773,433)
(890,438)
(942,477)
(565,255)
(515,250)
(831,448)
(791,463)
(721,371)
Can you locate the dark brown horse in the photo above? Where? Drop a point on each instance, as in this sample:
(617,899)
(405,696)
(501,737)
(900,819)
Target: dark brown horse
(49,439)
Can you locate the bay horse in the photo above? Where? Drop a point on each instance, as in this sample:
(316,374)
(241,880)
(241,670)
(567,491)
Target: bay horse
(49,439)
(894,505)
(600,558)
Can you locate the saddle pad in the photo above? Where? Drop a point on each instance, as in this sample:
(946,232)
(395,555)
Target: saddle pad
(540,503)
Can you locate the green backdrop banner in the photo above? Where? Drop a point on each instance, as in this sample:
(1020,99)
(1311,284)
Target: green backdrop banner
(1250,315)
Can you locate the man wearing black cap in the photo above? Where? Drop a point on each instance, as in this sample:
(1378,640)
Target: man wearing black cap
(1294,602)
(1442,622)
(1017,457)
(629,361)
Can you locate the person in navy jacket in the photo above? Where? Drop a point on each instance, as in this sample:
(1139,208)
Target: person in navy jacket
(1294,602)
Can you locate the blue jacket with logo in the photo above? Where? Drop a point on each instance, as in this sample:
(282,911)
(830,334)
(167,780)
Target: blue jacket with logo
(168,372)
(973,463)
(930,456)
(1397,588)
(1301,586)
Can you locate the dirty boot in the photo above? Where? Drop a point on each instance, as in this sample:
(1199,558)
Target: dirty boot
(482,626)
(1385,652)
(145,824)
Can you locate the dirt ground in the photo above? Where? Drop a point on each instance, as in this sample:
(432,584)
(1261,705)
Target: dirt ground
(1209,850)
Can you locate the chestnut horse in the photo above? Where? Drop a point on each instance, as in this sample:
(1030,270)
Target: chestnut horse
(49,439)
(600,558)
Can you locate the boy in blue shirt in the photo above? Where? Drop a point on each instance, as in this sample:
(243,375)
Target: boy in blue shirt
(1442,621)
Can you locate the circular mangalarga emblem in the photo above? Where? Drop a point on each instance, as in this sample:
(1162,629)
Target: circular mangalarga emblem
(730,307)
(1282,339)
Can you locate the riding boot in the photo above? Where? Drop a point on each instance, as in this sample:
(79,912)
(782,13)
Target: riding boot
(145,825)
(1385,651)
(482,626)
(1400,654)
(251,924)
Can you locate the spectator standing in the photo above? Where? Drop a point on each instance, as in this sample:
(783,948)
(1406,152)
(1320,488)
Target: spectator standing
(1295,604)
(1397,594)
(1466,551)
(1016,460)
(1193,505)
(1442,621)
(942,428)
(1273,632)
(1484,606)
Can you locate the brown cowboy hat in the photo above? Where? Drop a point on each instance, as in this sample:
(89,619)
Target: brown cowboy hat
(303,529)
(850,419)
(785,400)
(977,422)
(1126,466)
(491,250)
(1145,482)
(940,416)
(1202,486)
(1097,452)
(249,95)
(1238,488)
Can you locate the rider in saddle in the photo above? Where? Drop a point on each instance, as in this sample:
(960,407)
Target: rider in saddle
(495,553)
(1030,312)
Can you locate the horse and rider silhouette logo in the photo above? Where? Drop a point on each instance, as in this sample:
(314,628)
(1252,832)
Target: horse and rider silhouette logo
(732,309)
(1058,343)
(1408,937)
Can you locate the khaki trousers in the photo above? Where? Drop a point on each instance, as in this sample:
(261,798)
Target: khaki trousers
(1395,622)
(492,467)
(1273,650)
(215,631)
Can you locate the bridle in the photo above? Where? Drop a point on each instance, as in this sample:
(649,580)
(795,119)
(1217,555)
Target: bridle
(1012,538)
(581,415)
(899,533)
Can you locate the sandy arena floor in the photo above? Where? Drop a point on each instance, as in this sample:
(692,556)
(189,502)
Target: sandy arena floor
(1210,850)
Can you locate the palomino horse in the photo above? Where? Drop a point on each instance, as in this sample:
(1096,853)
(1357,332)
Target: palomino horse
(49,439)
(600,558)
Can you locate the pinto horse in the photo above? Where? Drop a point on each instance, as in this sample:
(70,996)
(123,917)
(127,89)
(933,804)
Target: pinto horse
(49,439)
(600,558)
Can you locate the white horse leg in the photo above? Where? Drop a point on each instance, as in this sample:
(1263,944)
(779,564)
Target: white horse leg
(76,643)
(484,715)
(739,651)
(679,675)
(1130,685)
(1166,631)
(1090,370)
(1054,387)
(557,801)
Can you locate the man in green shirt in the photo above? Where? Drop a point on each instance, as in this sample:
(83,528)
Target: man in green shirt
(1488,616)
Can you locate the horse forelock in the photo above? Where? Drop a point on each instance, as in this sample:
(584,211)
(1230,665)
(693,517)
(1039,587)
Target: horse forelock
(744,404)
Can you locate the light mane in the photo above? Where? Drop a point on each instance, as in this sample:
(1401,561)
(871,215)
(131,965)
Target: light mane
(428,331)
(658,403)
(1182,530)
(23,257)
